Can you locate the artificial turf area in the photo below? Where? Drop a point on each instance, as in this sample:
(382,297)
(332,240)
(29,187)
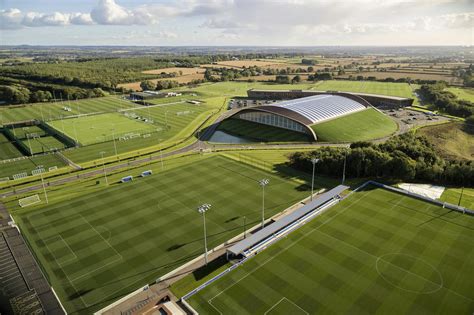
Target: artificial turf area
(259,132)
(99,246)
(8,168)
(364,125)
(100,128)
(374,252)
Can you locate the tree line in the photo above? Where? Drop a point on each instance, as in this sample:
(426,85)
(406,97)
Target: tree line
(445,100)
(405,157)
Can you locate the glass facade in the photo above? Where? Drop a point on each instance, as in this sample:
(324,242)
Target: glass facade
(272,120)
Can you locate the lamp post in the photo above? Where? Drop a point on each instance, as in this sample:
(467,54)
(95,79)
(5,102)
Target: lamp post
(202,209)
(113,137)
(344,168)
(44,188)
(103,164)
(314,161)
(263,182)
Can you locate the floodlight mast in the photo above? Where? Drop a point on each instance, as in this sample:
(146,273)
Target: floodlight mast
(202,209)
(314,161)
(44,188)
(113,137)
(103,164)
(263,182)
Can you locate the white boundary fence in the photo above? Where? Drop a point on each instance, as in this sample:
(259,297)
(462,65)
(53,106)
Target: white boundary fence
(424,198)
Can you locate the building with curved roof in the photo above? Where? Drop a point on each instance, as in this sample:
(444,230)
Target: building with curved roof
(299,114)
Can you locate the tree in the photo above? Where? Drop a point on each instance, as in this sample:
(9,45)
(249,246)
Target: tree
(296,79)
(282,79)
(147,85)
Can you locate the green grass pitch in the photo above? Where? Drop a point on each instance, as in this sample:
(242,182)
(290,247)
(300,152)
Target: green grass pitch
(100,246)
(374,252)
(174,122)
(55,110)
(8,168)
(360,126)
(99,128)
(382,88)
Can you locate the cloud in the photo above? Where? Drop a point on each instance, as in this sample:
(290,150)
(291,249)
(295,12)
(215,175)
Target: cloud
(10,19)
(460,20)
(81,19)
(107,12)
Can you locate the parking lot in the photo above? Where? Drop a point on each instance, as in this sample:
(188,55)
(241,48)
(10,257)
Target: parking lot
(408,118)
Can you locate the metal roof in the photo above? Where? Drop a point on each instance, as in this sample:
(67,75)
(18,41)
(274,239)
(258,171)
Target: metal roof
(267,231)
(319,108)
(397,98)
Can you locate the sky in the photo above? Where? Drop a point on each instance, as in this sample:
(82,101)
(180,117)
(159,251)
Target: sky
(237,22)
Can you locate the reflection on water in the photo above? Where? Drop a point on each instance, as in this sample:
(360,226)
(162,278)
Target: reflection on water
(223,137)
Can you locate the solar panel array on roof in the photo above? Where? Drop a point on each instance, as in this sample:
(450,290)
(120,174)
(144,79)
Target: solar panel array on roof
(322,107)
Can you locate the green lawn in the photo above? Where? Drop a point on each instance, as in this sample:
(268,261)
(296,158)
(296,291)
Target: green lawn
(464,197)
(364,125)
(466,94)
(451,140)
(98,246)
(7,149)
(54,110)
(382,88)
(170,123)
(43,144)
(10,168)
(100,128)
(375,252)
(259,132)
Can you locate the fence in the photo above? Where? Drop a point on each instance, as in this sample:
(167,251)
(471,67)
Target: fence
(68,141)
(424,198)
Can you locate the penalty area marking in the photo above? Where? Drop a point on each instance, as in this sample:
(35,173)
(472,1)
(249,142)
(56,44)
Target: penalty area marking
(288,300)
(52,252)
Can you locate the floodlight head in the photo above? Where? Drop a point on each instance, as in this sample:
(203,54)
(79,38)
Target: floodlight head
(204,208)
(314,160)
(264,182)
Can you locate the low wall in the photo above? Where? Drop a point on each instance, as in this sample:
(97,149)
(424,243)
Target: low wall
(424,198)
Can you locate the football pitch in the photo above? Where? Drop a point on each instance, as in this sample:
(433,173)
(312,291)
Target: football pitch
(374,252)
(99,246)
(99,128)
(382,88)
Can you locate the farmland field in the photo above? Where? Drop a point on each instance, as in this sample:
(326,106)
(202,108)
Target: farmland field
(99,128)
(97,247)
(374,252)
(364,125)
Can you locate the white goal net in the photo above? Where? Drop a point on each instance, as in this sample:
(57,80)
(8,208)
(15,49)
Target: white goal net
(28,201)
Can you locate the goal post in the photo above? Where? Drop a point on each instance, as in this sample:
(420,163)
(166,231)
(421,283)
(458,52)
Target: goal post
(28,201)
